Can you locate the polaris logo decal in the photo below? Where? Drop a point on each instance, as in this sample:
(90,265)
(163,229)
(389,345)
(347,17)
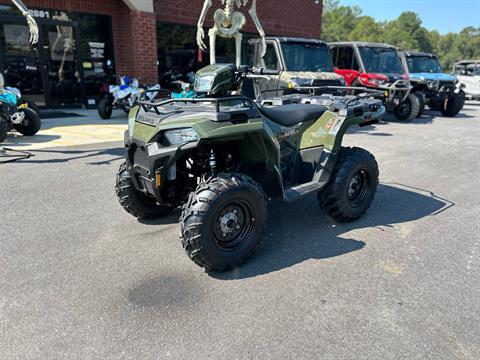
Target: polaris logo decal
(148,118)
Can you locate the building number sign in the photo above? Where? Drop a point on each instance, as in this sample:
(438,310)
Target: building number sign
(43,14)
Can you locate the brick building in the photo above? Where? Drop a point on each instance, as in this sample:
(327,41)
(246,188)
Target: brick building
(84,43)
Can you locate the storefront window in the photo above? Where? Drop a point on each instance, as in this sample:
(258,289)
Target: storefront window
(16,39)
(179,57)
(73,46)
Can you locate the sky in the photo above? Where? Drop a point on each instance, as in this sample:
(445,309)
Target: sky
(441,15)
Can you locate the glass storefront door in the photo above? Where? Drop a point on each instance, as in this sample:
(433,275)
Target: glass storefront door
(20,62)
(59,51)
(72,64)
(48,72)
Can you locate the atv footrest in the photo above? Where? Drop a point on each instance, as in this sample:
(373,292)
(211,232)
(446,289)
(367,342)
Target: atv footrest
(300,191)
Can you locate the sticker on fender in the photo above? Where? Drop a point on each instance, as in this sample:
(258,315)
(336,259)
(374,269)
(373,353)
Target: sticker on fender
(333,125)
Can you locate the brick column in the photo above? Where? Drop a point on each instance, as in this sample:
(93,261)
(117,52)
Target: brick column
(135,35)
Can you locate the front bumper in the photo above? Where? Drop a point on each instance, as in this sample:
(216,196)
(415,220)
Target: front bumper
(396,93)
(152,165)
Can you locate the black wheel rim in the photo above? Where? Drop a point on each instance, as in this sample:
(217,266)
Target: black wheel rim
(404,108)
(359,188)
(233,226)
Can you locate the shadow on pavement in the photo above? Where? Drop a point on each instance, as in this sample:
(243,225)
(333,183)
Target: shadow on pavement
(91,119)
(299,232)
(116,153)
(373,130)
(170,219)
(171,291)
(15,139)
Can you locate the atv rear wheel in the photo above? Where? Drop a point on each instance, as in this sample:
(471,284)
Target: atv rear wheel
(31,125)
(409,109)
(453,105)
(352,187)
(3,129)
(223,220)
(105,108)
(134,202)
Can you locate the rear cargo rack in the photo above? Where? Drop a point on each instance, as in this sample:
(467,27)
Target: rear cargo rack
(371,92)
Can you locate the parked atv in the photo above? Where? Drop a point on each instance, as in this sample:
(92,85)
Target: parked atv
(377,66)
(123,96)
(223,156)
(293,65)
(24,120)
(439,91)
(468,73)
(23,102)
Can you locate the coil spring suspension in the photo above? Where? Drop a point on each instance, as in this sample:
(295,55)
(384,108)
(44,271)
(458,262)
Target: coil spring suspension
(213,163)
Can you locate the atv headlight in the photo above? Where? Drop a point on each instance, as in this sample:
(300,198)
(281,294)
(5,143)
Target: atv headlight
(181,136)
(204,84)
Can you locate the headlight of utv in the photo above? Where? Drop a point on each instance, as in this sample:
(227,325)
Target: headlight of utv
(432,84)
(181,136)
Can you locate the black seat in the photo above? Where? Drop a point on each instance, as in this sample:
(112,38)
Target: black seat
(293,114)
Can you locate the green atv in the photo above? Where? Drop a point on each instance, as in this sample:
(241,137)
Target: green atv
(223,156)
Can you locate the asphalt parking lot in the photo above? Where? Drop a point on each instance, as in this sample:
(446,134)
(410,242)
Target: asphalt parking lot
(81,279)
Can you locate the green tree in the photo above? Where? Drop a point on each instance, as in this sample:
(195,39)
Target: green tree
(339,21)
(407,33)
(366,29)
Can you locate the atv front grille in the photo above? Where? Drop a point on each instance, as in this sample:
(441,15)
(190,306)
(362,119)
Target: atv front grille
(138,155)
(147,185)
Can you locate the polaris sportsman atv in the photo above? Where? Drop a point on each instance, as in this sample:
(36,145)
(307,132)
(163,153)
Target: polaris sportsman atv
(441,92)
(377,66)
(14,116)
(222,156)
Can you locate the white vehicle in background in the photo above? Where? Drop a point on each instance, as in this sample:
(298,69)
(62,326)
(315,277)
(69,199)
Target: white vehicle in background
(468,73)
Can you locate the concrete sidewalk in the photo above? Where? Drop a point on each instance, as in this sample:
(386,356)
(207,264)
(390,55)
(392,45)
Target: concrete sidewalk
(88,128)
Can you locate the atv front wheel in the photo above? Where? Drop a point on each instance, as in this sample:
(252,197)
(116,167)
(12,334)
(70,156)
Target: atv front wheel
(31,124)
(105,108)
(453,105)
(352,187)
(134,202)
(223,221)
(409,109)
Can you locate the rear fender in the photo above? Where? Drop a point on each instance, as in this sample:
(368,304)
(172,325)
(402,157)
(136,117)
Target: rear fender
(330,128)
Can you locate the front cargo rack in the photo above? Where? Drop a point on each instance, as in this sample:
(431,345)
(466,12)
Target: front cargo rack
(148,105)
